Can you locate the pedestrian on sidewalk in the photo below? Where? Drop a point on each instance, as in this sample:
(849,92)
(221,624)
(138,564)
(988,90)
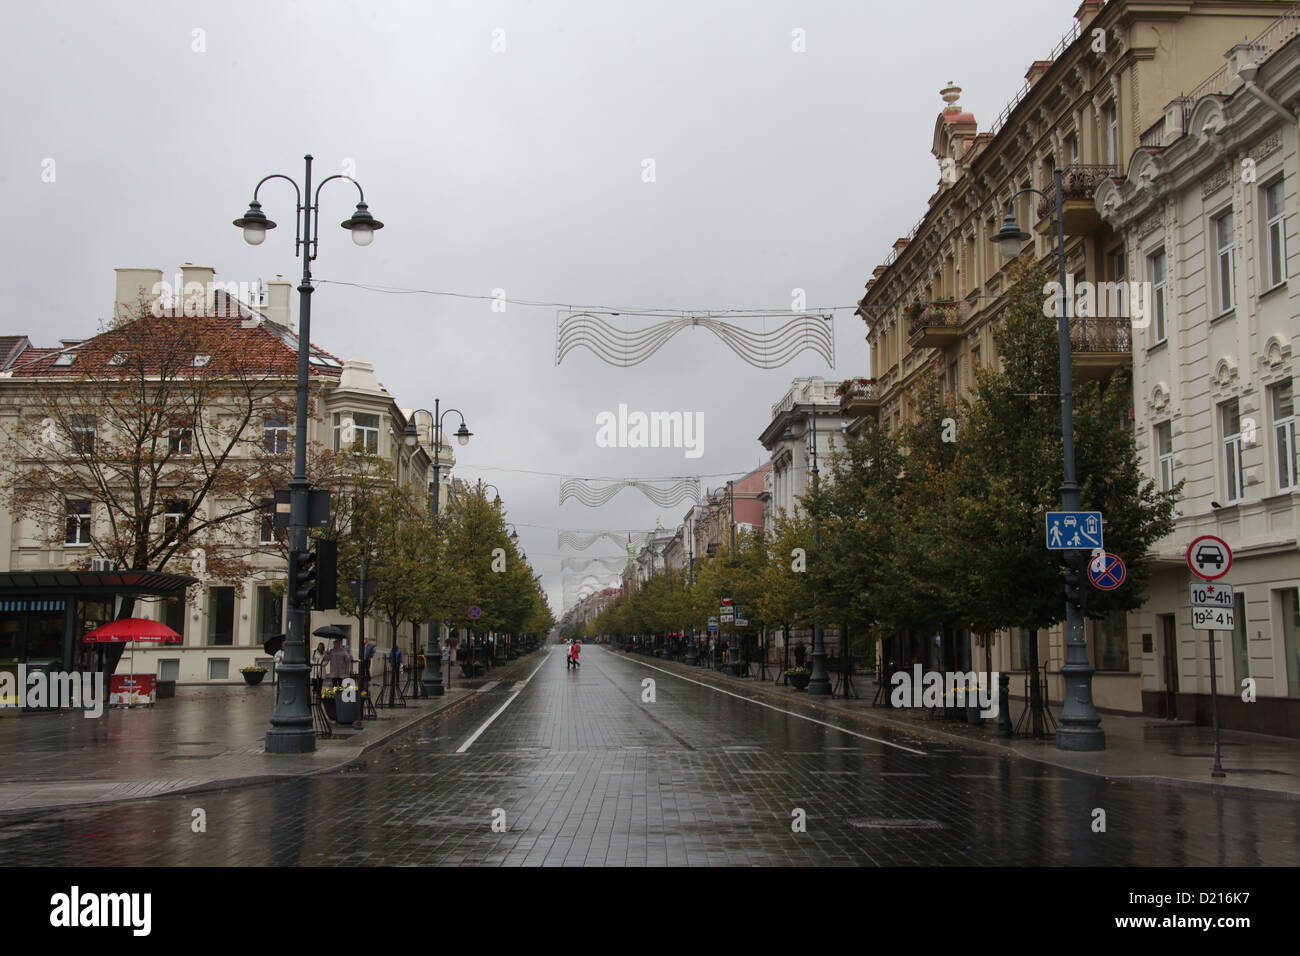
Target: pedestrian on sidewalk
(340,662)
(275,667)
(573,653)
(318,658)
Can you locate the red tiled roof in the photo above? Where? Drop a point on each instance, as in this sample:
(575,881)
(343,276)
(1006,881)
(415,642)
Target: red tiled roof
(245,331)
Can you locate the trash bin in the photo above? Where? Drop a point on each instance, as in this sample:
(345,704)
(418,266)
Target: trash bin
(165,689)
(39,667)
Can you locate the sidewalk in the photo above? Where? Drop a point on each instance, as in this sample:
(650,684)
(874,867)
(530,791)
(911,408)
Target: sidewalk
(1138,749)
(206,738)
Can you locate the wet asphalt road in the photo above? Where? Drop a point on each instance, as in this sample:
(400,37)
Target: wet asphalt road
(578,770)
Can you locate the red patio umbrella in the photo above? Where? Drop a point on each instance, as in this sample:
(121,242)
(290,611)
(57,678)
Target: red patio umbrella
(134,630)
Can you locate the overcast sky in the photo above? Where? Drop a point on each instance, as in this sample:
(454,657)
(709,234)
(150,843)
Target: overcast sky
(518,169)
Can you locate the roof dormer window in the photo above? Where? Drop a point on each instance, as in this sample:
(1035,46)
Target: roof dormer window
(65,358)
(201,360)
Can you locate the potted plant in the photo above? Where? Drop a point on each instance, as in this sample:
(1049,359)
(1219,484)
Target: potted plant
(339,708)
(798,677)
(253,675)
(913,311)
(327,698)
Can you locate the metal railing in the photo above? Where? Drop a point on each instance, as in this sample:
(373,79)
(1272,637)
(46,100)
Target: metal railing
(944,313)
(1070,36)
(1095,334)
(1079,181)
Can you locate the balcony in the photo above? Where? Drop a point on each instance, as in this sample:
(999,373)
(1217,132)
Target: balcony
(935,324)
(859,399)
(1078,185)
(1100,345)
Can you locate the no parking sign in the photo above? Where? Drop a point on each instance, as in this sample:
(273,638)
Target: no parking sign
(1106,571)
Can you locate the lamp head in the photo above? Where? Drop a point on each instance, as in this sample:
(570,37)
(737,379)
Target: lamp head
(362,225)
(462,434)
(1010,238)
(409,434)
(254,223)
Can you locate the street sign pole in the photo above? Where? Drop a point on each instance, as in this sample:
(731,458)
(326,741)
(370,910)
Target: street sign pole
(1217,771)
(1203,552)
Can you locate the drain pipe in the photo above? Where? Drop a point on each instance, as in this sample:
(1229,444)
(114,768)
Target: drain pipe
(1247,74)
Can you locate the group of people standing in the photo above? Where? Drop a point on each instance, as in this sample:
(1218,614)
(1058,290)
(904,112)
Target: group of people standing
(337,661)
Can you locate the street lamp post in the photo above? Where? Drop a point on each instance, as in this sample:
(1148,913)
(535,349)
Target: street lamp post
(1080,723)
(819,681)
(291,723)
(431,680)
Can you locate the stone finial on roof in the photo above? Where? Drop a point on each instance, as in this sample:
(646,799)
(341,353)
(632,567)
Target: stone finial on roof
(950,94)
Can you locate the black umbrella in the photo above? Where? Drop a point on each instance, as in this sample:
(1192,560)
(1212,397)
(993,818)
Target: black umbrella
(273,644)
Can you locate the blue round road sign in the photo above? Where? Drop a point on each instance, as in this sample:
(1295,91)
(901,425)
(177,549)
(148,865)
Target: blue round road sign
(1106,572)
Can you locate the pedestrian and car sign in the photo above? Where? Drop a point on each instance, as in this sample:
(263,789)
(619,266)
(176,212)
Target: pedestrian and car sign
(1070,530)
(1106,571)
(1209,557)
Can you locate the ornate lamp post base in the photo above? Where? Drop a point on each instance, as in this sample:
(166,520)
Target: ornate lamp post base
(432,679)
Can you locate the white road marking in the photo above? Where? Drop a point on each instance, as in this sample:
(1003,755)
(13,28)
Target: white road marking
(487,723)
(789,713)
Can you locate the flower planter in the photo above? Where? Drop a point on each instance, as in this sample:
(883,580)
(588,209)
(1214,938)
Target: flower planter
(799,681)
(329,708)
(253,678)
(348,711)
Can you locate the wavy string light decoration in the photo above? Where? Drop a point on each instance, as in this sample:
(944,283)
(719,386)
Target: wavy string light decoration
(596,332)
(664,495)
(581,564)
(582,540)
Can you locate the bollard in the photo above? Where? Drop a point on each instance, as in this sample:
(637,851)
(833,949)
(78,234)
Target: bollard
(1004,704)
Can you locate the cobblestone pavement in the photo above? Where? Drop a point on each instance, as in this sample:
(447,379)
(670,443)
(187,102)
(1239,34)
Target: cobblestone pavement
(584,772)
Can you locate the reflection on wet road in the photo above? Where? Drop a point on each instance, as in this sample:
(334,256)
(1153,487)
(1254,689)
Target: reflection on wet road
(577,769)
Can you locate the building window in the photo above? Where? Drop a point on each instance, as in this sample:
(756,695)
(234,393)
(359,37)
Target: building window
(173,613)
(169,668)
(266,525)
(218,668)
(173,517)
(1072,146)
(1240,653)
(364,429)
(1275,233)
(1225,269)
(82,428)
(1110,637)
(1020,638)
(180,441)
(269,614)
(77,526)
(276,435)
(1284,436)
(1112,133)
(1165,455)
(1234,475)
(1291,639)
(1158,287)
(221,616)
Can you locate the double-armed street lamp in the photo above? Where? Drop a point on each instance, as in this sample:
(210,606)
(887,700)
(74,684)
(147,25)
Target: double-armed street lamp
(819,681)
(1080,723)
(431,681)
(291,723)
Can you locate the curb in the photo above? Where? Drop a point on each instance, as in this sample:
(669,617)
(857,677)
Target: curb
(944,736)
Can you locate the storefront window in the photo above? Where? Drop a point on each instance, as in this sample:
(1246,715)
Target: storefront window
(1110,637)
(1291,639)
(221,616)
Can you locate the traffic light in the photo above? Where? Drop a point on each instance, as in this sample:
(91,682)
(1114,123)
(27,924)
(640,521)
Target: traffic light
(302,577)
(1073,583)
(327,575)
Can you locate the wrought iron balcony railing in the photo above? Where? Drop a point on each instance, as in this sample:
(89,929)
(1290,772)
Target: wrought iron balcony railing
(1079,181)
(1100,334)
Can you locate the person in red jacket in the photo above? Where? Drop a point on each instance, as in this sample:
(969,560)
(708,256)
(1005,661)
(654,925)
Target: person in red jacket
(573,653)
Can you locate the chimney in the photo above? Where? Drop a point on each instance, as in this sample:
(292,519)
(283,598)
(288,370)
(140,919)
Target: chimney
(1087,12)
(1036,70)
(196,292)
(132,285)
(277,302)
